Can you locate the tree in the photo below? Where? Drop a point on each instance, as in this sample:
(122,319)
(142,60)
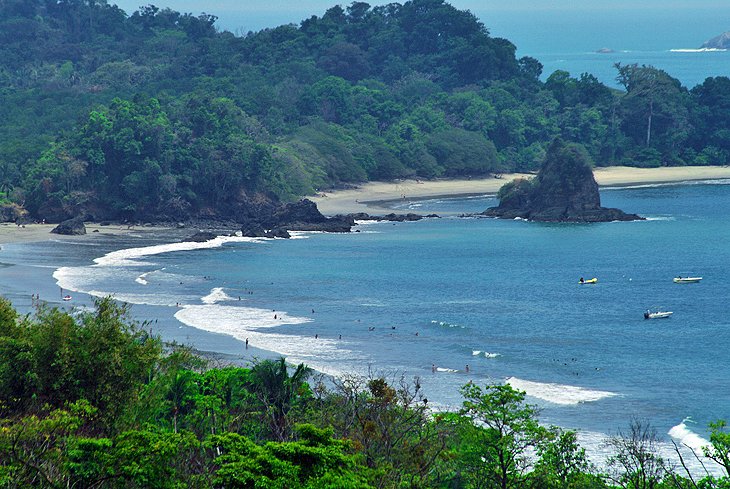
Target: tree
(278,392)
(719,449)
(498,428)
(658,99)
(635,463)
(562,463)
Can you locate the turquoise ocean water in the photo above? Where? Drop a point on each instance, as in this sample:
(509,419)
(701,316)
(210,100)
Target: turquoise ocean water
(500,296)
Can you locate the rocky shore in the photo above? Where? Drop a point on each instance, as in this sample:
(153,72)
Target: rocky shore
(564,190)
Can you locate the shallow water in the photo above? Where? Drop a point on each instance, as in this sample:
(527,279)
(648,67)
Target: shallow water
(500,296)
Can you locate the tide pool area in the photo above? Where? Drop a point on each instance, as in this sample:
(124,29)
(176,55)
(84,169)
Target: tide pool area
(427,299)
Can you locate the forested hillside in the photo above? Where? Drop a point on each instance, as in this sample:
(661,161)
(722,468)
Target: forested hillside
(158,115)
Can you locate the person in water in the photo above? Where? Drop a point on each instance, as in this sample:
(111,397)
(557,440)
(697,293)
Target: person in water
(581,280)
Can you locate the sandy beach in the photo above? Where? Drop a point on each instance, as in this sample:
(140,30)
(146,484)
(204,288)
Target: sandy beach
(373,197)
(28,233)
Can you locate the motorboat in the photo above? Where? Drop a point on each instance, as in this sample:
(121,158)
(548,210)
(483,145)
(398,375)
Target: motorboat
(686,280)
(657,314)
(593,280)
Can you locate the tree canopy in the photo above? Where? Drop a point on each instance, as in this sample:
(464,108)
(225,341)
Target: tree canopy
(159,115)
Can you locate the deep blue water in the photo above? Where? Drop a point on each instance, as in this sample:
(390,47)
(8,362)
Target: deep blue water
(500,296)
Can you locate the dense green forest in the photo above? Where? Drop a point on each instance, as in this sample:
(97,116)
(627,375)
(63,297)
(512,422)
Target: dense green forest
(159,115)
(94,400)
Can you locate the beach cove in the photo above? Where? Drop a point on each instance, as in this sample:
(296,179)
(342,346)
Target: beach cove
(499,296)
(375,197)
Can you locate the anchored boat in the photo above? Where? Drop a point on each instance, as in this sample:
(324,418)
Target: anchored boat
(686,280)
(657,314)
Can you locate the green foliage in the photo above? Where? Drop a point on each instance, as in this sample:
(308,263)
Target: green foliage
(157,115)
(497,427)
(279,393)
(96,356)
(177,424)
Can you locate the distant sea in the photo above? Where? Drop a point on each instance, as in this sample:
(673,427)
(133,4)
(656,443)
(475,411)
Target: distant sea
(667,38)
(402,298)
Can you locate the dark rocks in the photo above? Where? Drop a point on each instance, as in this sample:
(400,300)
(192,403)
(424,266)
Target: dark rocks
(201,237)
(277,221)
(362,216)
(564,190)
(402,217)
(266,220)
(71,227)
(12,213)
(304,211)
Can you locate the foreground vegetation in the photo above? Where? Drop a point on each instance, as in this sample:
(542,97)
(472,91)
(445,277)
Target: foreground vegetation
(159,115)
(92,400)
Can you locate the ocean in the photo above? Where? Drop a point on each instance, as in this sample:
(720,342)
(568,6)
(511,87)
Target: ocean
(668,38)
(409,298)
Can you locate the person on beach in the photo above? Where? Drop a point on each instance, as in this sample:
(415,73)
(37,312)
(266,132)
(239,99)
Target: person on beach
(247,343)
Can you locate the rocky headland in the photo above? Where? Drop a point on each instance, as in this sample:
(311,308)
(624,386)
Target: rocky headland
(718,42)
(564,190)
(271,220)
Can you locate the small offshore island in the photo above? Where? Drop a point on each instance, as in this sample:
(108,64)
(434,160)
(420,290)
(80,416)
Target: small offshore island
(564,190)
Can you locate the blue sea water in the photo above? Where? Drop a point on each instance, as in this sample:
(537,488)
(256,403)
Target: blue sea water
(500,296)
(667,38)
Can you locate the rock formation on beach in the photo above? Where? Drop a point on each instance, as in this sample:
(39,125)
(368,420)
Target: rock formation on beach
(564,190)
(718,42)
(72,227)
(276,221)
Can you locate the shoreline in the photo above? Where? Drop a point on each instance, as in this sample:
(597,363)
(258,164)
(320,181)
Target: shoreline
(375,197)
(11,233)
(378,197)
(223,354)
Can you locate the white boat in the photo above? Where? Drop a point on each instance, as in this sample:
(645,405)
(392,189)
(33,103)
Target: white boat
(657,314)
(686,280)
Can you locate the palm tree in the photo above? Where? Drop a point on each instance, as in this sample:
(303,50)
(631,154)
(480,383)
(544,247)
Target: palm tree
(278,392)
(181,390)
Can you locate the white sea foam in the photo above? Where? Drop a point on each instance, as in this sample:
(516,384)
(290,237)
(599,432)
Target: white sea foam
(216,295)
(558,393)
(142,279)
(485,354)
(447,370)
(302,234)
(234,319)
(130,256)
(687,437)
(698,50)
(447,325)
(156,299)
(326,355)
(599,451)
(660,218)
